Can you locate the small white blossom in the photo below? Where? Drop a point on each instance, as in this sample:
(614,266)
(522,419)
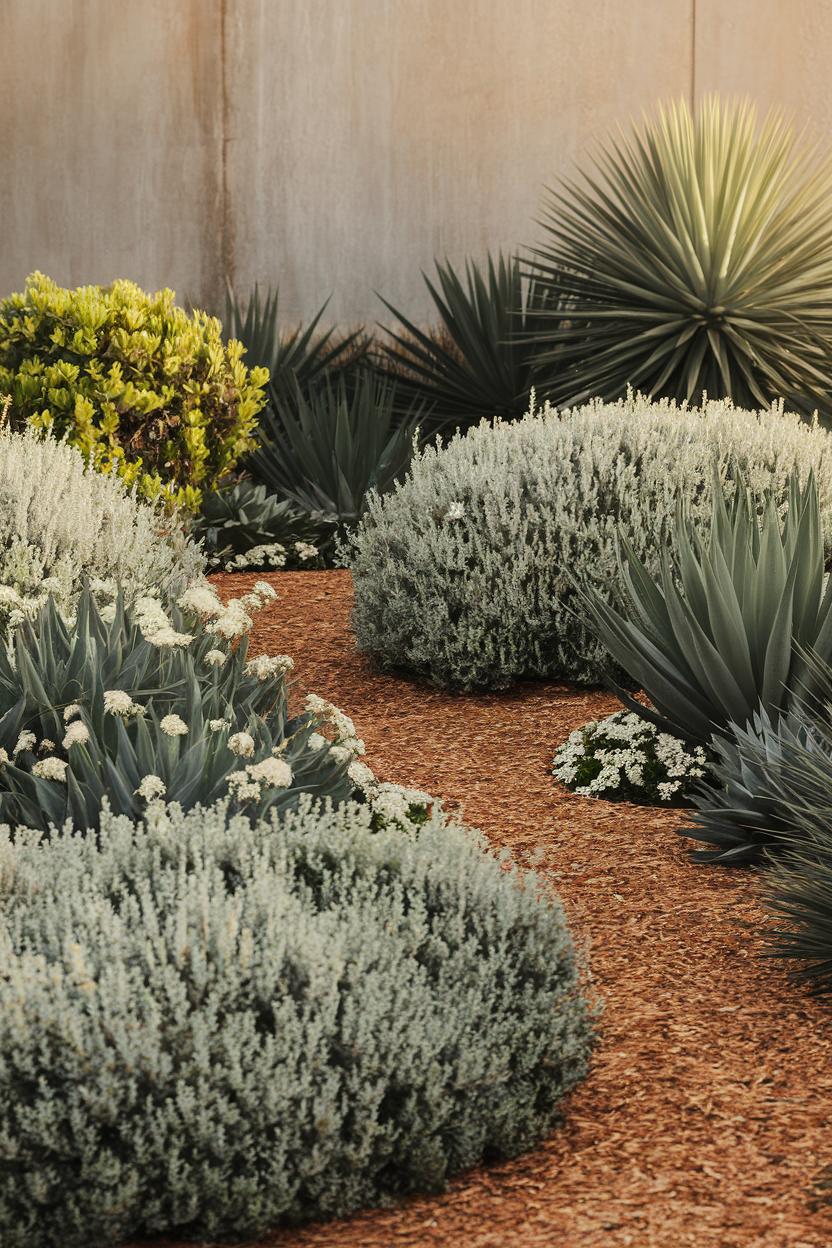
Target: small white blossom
(217,725)
(50,769)
(361,775)
(241,743)
(151,787)
(244,788)
(316,741)
(4,756)
(215,658)
(306,551)
(173,726)
(108,612)
(201,599)
(119,702)
(167,638)
(77,733)
(46,746)
(273,771)
(266,666)
(71,712)
(25,741)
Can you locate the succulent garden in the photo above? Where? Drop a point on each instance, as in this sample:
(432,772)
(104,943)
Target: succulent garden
(250,977)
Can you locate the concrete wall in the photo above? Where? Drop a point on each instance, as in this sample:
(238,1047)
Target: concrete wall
(337,146)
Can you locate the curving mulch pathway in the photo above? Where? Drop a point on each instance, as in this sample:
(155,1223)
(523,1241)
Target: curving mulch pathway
(706,1116)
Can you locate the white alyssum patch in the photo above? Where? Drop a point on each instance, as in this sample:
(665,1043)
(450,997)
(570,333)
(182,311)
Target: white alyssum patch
(306,551)
(624,752)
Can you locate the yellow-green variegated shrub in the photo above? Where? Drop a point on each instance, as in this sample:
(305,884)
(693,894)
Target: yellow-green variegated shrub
(143,389)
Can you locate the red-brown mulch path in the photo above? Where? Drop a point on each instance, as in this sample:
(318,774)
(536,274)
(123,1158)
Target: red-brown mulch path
(706,1115)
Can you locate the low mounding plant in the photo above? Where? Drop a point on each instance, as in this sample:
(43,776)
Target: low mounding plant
(698,258)
(479,362)
(209,1026)
(626,758)
(141,388)
(328,449)
(62,524)
(721,633)
(464,574)
(242,526)
(150,703)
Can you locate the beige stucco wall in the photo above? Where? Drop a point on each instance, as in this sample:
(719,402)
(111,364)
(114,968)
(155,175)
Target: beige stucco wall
(337,146)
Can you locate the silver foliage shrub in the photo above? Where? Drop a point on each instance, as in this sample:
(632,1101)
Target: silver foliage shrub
(62,523)
(462,573)
(209,1027)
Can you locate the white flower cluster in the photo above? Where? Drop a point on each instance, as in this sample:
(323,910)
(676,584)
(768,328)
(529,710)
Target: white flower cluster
(119,702)
(624,752)
(270,555)
(345,743)
(265,666)
(393,803)
(274,773)
(155,625)
(230,621)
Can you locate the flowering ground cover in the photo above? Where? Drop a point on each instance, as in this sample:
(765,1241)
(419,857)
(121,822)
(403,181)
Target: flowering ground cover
(703,1121)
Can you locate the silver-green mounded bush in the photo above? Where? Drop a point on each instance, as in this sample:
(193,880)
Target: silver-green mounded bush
(464,573)
(209,1026)
(62,524)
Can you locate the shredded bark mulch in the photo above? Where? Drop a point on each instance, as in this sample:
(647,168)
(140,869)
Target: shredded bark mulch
(704,1122)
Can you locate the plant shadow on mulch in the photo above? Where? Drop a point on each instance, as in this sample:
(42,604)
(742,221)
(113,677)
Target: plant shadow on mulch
(705,1118)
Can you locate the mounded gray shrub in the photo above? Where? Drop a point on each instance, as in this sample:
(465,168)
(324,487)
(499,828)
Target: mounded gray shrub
(462,573)
(209,1027)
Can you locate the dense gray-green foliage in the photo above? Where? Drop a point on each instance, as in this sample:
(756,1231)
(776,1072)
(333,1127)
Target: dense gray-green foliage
(721,631)
(208,1027)
(464,573)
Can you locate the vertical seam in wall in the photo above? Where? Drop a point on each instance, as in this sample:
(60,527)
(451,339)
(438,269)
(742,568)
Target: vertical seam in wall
(692,54)
(226,221)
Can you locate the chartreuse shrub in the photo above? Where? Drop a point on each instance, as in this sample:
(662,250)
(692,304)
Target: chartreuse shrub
(696,256)
(143,389)
(63,525)
(465,574)
(166,703)
(210,1026)
(721,632)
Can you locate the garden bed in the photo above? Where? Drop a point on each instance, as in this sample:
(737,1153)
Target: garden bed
(704,1119)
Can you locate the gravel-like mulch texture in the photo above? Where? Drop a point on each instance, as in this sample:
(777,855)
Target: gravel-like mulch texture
(706,1116)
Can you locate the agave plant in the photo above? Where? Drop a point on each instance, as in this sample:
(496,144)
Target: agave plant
(299,357)
(327,449)
(723,632)
(242,525)
(798,891)
(697,257)
(479,362)
(108,709)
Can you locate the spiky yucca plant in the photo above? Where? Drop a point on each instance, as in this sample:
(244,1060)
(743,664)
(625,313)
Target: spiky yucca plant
(478,361)
(325,450)
(723,630)
(299,356)
(697,257)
